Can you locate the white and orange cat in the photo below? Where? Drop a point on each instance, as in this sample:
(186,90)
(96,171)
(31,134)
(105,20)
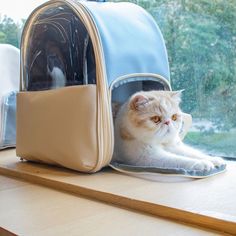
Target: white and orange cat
(147,130)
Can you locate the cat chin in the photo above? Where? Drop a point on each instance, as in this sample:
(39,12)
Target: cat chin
(166,131)
(166,137)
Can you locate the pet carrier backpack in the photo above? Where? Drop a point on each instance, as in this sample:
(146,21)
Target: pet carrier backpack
(76,58)
(9,85)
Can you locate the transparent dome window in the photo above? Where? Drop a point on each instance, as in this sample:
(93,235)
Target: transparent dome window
(60,52)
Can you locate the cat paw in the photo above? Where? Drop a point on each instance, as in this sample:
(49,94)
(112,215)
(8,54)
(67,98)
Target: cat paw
(218,162)
(202,165)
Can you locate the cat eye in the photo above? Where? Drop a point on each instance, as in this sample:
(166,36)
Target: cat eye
(174,117)
(156,119)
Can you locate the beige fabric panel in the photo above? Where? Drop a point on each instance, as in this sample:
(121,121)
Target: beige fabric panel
(59,127)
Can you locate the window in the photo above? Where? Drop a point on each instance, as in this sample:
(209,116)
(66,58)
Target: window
(200,38)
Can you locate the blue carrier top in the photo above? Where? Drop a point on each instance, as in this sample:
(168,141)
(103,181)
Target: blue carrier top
(81,39)
(131,40)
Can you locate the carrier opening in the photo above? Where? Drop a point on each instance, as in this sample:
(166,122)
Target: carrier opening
(125,87)
(59,51)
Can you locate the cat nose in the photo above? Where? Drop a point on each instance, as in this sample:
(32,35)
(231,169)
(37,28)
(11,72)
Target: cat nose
(167,122)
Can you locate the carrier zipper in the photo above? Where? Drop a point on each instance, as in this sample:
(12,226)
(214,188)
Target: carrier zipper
(105,138)
(105,129)
(155,77)
(136,77)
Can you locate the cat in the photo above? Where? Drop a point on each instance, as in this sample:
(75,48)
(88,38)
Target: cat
(147,130)
(55,65)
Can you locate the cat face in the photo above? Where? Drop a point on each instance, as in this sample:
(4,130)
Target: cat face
(155,115)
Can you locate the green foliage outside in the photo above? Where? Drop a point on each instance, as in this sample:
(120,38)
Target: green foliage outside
(10,31)
(200,36)
(222,144)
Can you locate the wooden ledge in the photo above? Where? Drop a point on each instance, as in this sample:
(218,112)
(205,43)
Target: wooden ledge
(29,209)
(208,203)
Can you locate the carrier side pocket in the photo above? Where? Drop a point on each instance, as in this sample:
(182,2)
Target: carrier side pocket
(59,127)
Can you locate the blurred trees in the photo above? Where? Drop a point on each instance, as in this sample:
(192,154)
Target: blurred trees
(10,31)
(200,38)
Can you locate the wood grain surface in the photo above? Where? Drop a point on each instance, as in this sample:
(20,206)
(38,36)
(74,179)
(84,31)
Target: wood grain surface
(208,203)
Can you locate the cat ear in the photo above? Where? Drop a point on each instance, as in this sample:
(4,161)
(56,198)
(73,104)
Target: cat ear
(176,95)
(138,102)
